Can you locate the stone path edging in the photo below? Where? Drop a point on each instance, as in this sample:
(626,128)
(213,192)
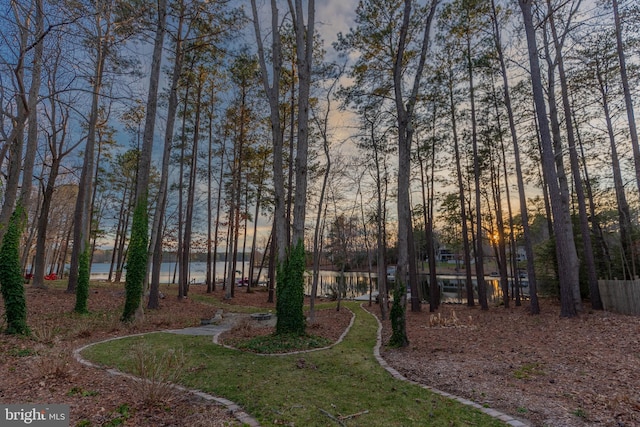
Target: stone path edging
(232,407)
(508,419)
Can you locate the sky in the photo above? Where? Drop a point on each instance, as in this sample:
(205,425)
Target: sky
(334,16)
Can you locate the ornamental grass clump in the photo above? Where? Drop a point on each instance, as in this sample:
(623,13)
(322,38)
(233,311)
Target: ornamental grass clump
(158,372)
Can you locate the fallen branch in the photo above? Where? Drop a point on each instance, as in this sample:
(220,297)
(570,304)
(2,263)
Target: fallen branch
(357,414)
(328,414)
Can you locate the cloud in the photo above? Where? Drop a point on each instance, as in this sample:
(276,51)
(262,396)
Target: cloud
(333,17)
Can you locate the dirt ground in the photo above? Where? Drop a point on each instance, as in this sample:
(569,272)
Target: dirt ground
(544,369)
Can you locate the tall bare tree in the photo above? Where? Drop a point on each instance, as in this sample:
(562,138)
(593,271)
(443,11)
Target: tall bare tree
(567,257)
(628,101)
(531,274)
(272,90)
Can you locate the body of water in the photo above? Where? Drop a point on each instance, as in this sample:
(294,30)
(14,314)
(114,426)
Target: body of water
(350,285)
(197,271)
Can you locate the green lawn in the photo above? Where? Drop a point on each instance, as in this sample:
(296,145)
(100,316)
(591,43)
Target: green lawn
(304,389)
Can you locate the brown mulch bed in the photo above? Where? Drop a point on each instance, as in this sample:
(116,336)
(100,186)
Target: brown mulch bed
(329,324)
(551,371)
(544,369)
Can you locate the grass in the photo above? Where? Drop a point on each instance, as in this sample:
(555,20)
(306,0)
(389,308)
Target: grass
(580,413)
(528,370)
(283,343)
(79,391)
(344,383)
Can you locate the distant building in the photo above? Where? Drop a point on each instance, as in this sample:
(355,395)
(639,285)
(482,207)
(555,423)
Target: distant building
(445,255)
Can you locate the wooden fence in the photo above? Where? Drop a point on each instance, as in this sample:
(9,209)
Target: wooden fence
(622,296)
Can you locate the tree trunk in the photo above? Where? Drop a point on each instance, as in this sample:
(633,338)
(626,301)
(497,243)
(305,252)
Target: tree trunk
(601,249)
(565,193)
(43,221)
(434,297)
(273,94)
(116,242)
(482,287)
(254,241)
(463,211)
(501,257)
(218,207)
(381,215)
(628,101)
(565,247)
(124,231)
(26,113)
(137,262)
(158,217)
(319,217)
(531,274)
(594,292)
(191,192)
(34,92)
(624,213)
(82,216)
(304,55)
(208,279)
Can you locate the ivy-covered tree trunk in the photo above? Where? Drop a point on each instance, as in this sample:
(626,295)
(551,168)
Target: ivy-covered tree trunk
(398,318)
(139,245)
(290,293)
(11,280)
(136,261)
(82,289)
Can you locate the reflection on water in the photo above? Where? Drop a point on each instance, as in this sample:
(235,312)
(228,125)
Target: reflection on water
(349,284)
(452,287)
